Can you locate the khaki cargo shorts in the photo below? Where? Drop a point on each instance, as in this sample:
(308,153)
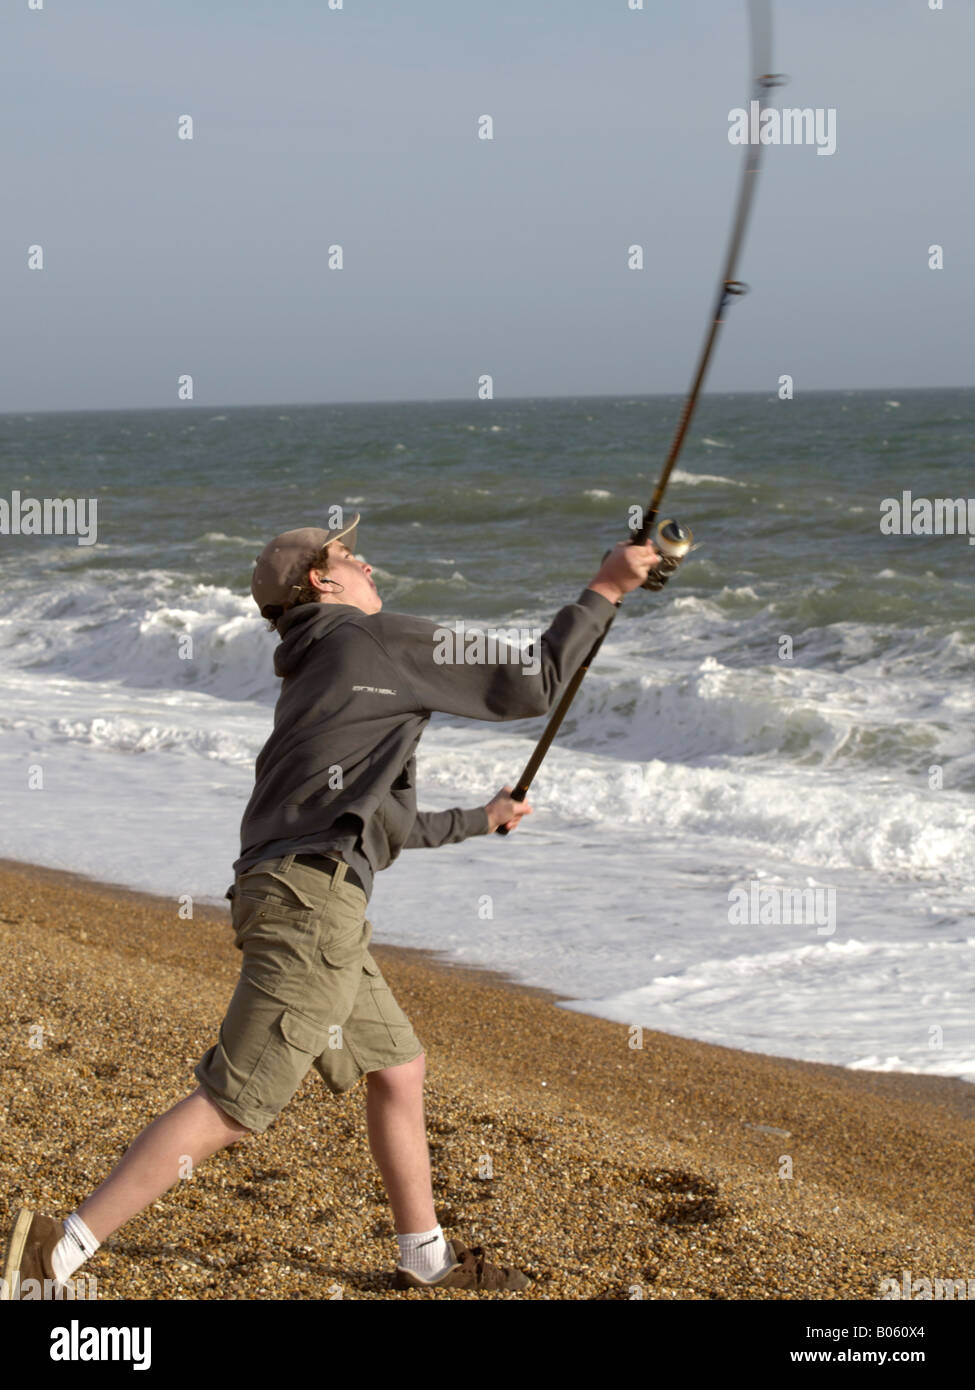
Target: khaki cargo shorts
(309,994)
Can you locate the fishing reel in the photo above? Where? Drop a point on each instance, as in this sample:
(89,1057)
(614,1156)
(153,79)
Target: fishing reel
(673,541)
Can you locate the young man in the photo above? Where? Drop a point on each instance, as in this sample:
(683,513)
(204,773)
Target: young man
(333,804)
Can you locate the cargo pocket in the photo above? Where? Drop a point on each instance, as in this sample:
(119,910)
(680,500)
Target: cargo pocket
(292,1046)
(302,1034)
(384,1006)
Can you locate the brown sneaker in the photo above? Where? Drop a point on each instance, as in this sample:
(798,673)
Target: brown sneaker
(29,1252)
(469,1271)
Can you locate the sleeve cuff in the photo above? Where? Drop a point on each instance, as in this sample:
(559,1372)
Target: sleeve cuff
(599,607)
(476,821)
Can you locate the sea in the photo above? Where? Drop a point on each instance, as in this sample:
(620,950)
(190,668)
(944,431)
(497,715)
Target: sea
(755,827)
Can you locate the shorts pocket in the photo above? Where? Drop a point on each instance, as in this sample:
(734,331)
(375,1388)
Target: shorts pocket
(302,1033)
(273,888)
(292,1045)
(344,953)
(249,914)
(276,940)
(398,1028)
(345,933)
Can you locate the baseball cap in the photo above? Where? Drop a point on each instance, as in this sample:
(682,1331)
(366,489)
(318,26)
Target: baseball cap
(284,562)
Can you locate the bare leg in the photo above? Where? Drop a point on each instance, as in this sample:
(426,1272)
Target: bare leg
(397,1137)
(156,1159)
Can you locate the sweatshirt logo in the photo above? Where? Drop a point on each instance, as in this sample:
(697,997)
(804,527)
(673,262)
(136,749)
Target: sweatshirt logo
(375,689)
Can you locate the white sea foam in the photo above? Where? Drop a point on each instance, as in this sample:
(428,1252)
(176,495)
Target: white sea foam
(681,475)
(677,776)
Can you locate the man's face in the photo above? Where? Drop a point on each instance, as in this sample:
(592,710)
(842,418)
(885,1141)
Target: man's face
(353,580)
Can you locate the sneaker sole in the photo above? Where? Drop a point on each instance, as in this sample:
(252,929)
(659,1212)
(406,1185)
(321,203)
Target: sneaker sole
(15,1252)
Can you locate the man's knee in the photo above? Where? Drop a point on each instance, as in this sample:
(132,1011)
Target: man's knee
(234,1129)
(404,1075)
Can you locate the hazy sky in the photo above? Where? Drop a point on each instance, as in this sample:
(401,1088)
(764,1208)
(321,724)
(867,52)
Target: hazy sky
(462,256)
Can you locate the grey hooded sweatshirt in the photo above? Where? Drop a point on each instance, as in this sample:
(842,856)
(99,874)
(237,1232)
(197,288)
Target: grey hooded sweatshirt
(358,689)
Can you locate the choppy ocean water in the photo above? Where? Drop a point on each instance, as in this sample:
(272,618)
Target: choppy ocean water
(696,765)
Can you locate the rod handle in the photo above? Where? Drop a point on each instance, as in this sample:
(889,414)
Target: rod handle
(518,794)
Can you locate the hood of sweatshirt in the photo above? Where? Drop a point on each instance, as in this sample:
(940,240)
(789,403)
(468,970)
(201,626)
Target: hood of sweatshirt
(300,627)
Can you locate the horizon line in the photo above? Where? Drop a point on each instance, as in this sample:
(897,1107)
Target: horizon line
(189,407)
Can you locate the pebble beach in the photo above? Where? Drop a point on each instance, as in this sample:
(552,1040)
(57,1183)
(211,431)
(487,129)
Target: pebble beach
(674,1170)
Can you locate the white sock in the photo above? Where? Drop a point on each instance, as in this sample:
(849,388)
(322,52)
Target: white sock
(75,1246)
(426,1253)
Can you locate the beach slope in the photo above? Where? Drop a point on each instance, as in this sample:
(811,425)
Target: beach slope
(675,1170)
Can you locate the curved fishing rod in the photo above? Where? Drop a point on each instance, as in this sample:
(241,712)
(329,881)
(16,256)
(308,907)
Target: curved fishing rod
(674,540)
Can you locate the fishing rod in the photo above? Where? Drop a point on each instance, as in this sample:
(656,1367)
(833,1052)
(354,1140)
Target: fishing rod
(673,540)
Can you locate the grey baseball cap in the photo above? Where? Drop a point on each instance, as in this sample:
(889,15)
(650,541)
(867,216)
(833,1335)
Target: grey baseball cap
(282,565)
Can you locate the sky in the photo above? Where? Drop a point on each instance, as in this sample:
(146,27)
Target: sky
(357,127)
